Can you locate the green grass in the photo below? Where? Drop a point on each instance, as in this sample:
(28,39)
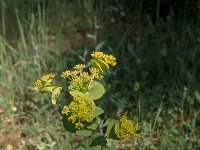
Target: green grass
(162,56)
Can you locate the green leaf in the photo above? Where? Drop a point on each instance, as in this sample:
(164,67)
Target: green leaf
(97,111)
(96,65)
(77,93)
(89,148)
(80,148)
(98,147)
(98,139)
(69,126)
(96,91)
(94,125)
(84,133)
(55,95)
(48,88)
(102,64)
(49,81)
(110,133)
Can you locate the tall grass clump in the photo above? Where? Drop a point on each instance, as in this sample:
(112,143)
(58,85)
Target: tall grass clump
(21,62)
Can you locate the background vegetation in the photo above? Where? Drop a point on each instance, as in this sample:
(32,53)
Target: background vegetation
(156,81)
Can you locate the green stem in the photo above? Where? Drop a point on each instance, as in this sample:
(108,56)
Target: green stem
(157,115)
(158,12)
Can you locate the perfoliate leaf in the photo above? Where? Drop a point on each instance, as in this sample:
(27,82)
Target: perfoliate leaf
(94,125)
(69,126)
(97,111)
(89,148)
(84,133)
(48,88)
(55,95)
(98,147)
(96,65)
(96,91)
(98,139)
(80,147)
(102,64)
(110,133)
(77,93)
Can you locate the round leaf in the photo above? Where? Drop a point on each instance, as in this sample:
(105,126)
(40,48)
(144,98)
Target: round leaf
(98,147)
(48,88)
(94,125)
(96,91)
(110,133)
(69,126)
(77,93)
(89,148)
(84,133)
(98,139)
(97,111)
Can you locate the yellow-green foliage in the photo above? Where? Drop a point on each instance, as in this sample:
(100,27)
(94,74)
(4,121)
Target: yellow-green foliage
(80,116)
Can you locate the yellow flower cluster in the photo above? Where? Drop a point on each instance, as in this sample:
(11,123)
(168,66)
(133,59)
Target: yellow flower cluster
(79,67)
(44,80)
(81,80)
(38,84)
(126,129)
(108,59)
(95,73)
(48,77)
(79,111)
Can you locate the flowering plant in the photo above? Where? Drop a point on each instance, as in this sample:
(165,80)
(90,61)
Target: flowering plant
(80,116)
